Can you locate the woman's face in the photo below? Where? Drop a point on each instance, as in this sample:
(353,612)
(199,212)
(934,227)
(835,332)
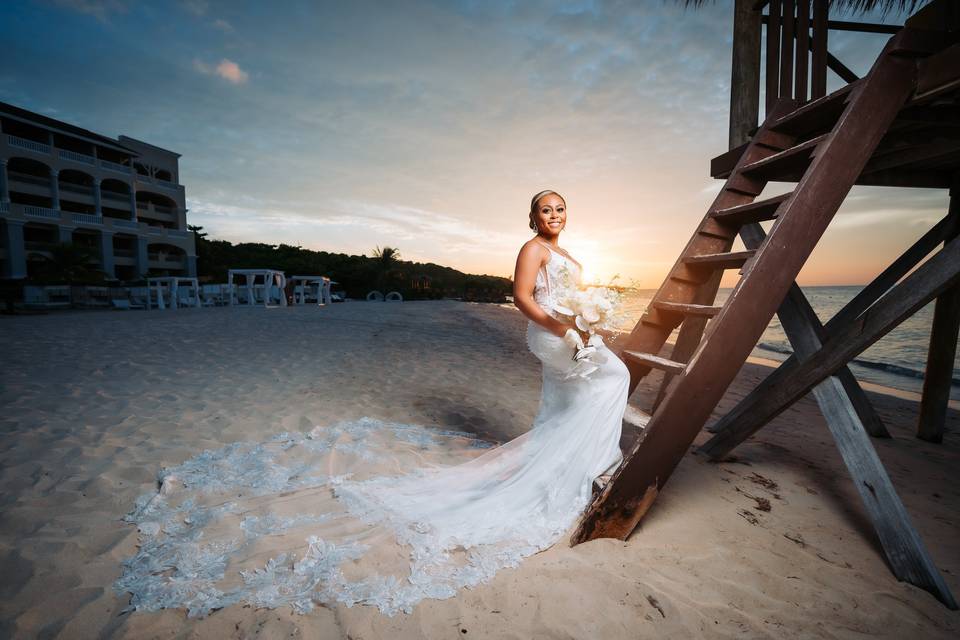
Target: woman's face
(551,214)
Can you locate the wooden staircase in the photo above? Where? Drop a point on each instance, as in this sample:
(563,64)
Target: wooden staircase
(823,146)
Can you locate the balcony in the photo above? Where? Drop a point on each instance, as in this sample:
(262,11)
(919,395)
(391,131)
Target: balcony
(4,207)
(179,233)
(82,189)
(87,218)
(28,178)
(115,196)
(29,145)
(129,224)
(77,157)
(41,212)
(115,166)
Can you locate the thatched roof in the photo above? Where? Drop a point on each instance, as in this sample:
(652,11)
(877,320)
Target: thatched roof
(856,6)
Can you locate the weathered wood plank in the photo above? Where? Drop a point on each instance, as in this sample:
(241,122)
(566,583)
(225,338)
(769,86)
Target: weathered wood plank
(818,47)
(908,556)
(803,50)
(786,50)
(725,260)
(654,361)
(744,72)
(773,56)
(754,212)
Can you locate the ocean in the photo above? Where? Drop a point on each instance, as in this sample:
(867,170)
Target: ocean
(897,360)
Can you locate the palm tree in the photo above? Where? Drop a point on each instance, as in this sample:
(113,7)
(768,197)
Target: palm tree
(71,263)
(386,260)
(857,6)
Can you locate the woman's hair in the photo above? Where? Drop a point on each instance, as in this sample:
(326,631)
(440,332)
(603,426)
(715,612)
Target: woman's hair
(533,206)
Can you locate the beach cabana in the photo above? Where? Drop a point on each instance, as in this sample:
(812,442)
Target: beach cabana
(315,288)
(270,291)
(178,292)
(895,126)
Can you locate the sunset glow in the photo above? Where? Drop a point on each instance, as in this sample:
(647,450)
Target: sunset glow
(294,130)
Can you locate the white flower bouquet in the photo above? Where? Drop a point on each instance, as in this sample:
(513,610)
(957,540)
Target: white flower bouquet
(590,309)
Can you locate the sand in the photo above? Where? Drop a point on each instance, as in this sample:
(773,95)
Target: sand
(774,544)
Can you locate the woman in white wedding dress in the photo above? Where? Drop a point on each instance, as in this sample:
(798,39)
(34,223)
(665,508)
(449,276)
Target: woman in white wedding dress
(387,514)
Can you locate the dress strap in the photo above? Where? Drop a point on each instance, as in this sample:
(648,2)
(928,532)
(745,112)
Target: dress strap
(565,255)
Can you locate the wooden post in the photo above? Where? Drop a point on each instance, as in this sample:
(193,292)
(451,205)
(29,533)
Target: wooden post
(786,50)
(803,53)
(818,61)
(938,376)
(744,73)
(773,55)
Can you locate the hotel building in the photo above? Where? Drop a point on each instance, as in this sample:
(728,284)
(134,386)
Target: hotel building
(121,199)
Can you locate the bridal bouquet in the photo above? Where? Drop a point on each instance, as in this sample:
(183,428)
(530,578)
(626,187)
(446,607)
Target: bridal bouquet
(590,308)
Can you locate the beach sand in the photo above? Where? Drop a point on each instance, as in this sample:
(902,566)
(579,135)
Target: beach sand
(772,545)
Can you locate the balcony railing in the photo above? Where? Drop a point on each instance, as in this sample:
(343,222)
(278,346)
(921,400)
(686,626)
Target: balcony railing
(77,157)
(116,166)
(179,233)
(131,224)
(124,253)
(155,230)
(87,218)
(29,145)
(4,207)
(40,212)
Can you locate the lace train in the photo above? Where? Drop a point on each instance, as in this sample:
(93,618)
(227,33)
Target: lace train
(376,513)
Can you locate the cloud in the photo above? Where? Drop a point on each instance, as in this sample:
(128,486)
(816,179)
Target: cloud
(196,7)
(226,69)
(100,9)
(223,25)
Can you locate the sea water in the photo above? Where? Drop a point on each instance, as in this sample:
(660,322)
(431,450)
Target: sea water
(897,360)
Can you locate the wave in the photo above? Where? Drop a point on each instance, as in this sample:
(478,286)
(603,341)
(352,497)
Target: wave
(895,369)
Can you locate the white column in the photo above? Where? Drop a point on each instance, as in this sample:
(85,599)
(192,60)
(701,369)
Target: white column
(4,185)
(55,188)
(97,204)
(106,253)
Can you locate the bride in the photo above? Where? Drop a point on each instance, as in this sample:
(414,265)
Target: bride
(387,514)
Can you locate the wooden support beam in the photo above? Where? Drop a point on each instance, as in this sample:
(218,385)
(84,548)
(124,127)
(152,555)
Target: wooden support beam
(803,47)
(745,72)
(905,551)
(805,332)
(786,49)
(794,379)
(773,56)
(767,278)
(818,47)
(734,419)
(938,377)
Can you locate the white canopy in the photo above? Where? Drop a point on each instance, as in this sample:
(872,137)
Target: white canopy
(302,283)
(274,283)
(173,285)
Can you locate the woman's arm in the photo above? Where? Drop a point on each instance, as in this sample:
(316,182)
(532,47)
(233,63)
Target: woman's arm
(524,279)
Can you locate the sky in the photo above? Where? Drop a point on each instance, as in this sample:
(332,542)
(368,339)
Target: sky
(428,125)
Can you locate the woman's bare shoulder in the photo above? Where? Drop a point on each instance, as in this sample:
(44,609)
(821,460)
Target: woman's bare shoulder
(534,247)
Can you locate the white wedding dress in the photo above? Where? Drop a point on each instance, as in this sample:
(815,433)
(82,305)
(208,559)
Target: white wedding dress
(377,513)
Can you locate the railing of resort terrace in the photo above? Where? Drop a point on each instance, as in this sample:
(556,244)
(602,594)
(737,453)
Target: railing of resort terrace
(116,166)
(29,145)
(76,157)
(41,212)
(86,218)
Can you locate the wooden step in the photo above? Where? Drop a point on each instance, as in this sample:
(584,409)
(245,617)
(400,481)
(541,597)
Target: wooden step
(703,310)
(786,165)
(655,362)
(753,212)
(817,115)
(727,260)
